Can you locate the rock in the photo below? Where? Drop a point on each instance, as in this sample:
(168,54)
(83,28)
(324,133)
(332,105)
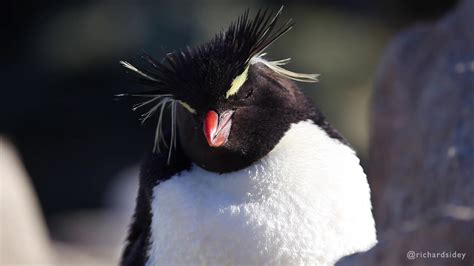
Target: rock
(421,159)
(24,238)
(23,234)
(444,242)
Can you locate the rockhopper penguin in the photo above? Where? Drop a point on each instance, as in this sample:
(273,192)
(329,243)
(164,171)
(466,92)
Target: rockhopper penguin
(245,169)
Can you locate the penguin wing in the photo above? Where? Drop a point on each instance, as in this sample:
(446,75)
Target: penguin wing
(154,170)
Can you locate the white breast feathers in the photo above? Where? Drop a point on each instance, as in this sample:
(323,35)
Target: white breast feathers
(306,202)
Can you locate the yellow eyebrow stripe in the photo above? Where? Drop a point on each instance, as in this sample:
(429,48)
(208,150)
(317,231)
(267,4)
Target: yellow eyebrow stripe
(237,83)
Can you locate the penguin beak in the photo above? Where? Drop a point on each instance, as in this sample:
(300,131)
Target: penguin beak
(217,127)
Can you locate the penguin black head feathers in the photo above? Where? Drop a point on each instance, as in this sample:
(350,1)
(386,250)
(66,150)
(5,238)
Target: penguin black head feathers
(229,106)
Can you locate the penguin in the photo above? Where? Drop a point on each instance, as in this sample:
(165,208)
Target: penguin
(244,169)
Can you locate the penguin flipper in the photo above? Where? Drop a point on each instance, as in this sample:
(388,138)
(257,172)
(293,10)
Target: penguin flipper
(156,168)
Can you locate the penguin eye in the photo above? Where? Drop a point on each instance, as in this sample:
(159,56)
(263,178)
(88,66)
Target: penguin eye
(249,94)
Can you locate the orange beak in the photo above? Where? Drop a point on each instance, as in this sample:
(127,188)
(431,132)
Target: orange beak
(217,127)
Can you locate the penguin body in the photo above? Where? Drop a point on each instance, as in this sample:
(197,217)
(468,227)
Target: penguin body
(305,203)
(248,171)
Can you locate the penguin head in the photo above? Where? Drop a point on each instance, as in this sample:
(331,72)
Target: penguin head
(229,106)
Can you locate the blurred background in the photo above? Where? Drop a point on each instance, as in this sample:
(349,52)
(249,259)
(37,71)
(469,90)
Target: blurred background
(63,132)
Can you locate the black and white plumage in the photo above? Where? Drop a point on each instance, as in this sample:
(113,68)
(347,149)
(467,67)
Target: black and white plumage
(248,171)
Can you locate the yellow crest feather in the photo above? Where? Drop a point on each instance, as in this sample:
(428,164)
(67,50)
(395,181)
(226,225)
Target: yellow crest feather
(237,83)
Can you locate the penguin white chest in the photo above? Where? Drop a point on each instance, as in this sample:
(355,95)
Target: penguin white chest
(306,202)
